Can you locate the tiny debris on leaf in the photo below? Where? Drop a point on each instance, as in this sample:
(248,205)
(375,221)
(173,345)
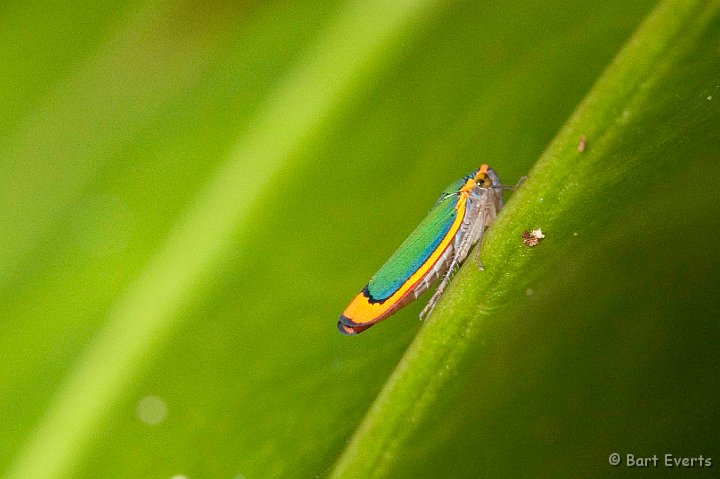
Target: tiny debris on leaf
(532,238)
(583,144)
(529,239)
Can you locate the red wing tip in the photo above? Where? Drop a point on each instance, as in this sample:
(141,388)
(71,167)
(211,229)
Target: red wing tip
(346,330)
(350,329)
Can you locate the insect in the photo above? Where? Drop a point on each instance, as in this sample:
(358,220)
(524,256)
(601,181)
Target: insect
(436,249)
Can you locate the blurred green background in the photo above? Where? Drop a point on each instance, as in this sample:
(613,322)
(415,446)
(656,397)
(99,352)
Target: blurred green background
(193,193)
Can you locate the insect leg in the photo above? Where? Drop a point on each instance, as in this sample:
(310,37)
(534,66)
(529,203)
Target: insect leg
(487,215)
(517,185)
(439,291)
(461,252)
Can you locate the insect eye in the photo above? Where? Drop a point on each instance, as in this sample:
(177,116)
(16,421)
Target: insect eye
(485,182)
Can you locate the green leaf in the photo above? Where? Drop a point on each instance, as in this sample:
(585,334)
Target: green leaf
(651,129)
(194,192)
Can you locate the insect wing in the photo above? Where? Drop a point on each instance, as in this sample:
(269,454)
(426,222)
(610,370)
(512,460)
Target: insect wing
(392,286)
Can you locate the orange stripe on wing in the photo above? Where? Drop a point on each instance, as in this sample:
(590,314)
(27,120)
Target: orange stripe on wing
(362,312)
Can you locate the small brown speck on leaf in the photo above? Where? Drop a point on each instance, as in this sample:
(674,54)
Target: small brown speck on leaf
(529,239)
(583,144)
(532,238)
